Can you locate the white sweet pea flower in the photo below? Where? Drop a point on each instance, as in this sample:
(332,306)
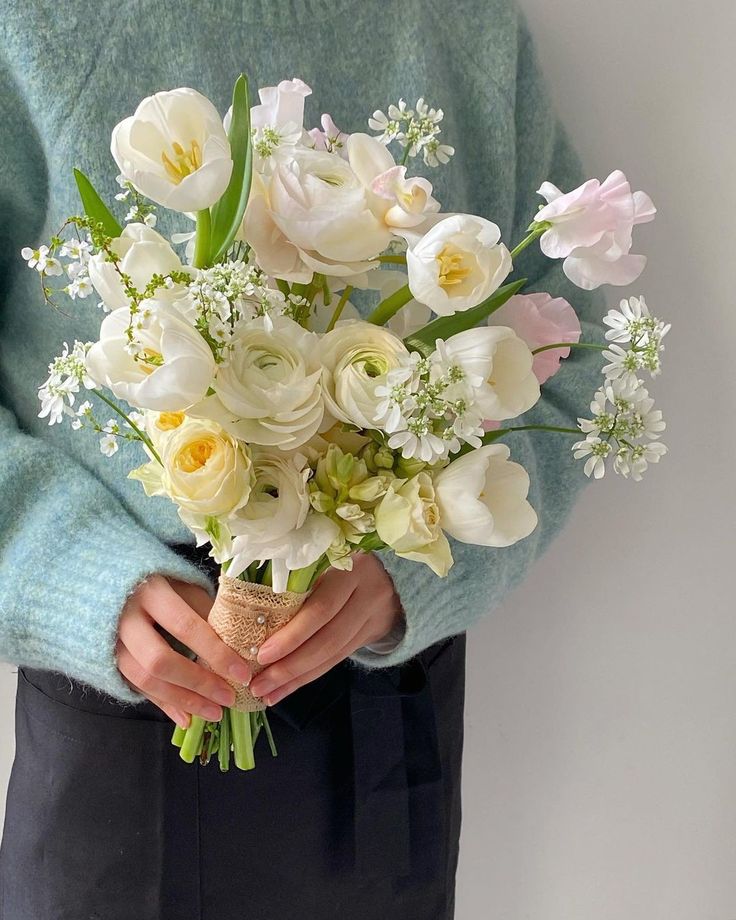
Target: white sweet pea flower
(268,389)
(592,230)
(482,498)
(173,366)
(353,355)
(504,362)
(174,150)
(143,253)
(457,264)
(408,520)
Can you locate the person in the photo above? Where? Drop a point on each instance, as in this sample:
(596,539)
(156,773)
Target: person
(360,811)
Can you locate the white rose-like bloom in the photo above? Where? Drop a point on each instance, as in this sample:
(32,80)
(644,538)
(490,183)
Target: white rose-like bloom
(504,361)
(143,253)
(320,206)
(482,498)
(277,523)
(174,150)
(268,391)
(205,470)
(408,520)
(353,355)
(179,369)
(457,264)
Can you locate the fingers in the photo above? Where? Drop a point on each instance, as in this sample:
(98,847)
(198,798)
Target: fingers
(325,645)
(330,595)
(179,699)
(280,693)
(197,598)
(176,616)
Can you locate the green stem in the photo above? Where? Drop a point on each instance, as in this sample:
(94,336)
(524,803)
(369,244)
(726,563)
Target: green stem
(405,158)
(223,752)
(144,437)
(192,743)
(269,735)
(339,308)
(242,740)
(542,348)
(179,735)
(301,579)
(537,231)
(202,239)
(393,260)
(391,305)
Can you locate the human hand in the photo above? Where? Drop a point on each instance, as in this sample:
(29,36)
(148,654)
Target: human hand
(345,611)
(175,683)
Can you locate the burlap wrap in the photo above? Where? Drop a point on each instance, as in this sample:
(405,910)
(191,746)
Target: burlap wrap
(244,615)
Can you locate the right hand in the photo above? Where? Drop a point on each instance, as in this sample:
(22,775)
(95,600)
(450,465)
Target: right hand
(175,683)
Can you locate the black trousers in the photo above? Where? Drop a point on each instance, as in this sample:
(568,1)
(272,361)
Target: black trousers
(358,816)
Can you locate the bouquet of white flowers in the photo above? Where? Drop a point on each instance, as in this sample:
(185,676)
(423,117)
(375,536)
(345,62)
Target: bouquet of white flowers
(290,432)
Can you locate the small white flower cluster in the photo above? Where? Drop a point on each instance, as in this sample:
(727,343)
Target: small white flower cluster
(77,252)
(67,374)
(428,407)
(140,211)
(229,293)
(624,424)
(417,130)
(269,139)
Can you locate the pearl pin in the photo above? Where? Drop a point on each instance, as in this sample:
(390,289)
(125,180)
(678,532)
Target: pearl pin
(253,650)
(260,619)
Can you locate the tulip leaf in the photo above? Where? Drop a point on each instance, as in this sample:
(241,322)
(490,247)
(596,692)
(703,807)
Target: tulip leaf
(94,207)
(227,214)
(445,326)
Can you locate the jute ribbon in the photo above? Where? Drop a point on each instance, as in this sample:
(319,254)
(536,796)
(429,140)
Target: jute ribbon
(244,615)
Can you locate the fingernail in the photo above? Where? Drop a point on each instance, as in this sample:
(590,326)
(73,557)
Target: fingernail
(212,713)
(267,653)
(224,695)
(275,697)
(260,687)
(182,719)
(241,672)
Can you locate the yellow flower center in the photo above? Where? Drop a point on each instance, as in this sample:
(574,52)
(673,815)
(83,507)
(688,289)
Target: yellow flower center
(150,359)
(451,267)
(195,455)
(184,161)
(167,421)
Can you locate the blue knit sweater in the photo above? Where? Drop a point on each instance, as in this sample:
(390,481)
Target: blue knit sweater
(76,536)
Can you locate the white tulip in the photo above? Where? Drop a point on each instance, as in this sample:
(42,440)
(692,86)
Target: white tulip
(408,520)
(174,367)
(457,264)
(399,202)
(143,253)
(268,390)
(482,498)
(174,150)
(503,361)
(353,356)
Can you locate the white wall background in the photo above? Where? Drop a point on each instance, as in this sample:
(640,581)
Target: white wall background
(600,776)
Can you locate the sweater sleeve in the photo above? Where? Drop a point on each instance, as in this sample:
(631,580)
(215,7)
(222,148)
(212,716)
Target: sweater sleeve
(70,554)
(436,608)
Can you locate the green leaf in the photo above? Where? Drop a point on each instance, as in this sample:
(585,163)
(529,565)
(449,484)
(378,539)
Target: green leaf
(94,207)
(445,326)
(227,214)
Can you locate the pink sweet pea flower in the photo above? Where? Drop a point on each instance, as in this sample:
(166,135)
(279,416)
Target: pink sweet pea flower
(592,230)
(330,138)
(540,319)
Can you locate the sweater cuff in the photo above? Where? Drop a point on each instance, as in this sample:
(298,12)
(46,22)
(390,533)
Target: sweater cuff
(77,633)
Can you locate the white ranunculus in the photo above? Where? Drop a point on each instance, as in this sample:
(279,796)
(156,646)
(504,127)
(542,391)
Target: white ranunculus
(408,520)
(174,150)
(503,360)
(320,206)
(143,253)
(268,390)
(353,355)
(482,497)
(276,523)
(457,264)
(173,370)
(399,202)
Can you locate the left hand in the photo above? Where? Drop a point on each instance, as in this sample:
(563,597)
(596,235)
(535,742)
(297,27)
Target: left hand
(345,611)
